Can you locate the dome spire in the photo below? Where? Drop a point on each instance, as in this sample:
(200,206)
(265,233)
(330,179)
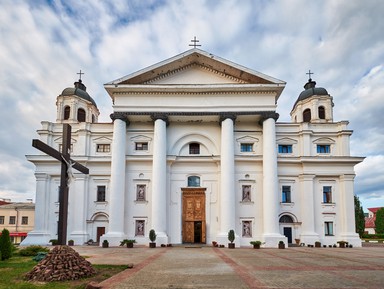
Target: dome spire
(79,84)
(310,83)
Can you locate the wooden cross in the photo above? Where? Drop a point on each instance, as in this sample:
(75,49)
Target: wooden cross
(194,42)
(66,165)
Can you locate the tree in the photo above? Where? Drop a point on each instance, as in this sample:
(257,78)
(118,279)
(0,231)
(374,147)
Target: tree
(5,245)
(359,217)
(379,222)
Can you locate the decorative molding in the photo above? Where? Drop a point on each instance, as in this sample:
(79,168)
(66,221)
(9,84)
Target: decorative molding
(120,115)
(163,116)
(225,115)
(156,115)
(268,114)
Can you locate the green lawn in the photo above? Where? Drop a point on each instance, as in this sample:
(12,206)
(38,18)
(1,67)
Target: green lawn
(12,273)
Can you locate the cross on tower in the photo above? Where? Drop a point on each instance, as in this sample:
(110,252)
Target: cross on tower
(194,40)
(80,73)
(309,73)
(66,173)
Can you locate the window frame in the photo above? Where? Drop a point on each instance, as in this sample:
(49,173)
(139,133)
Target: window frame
(190,181)
(101,194)
(323,148)
(328,228)
(24,220)
(327,195)
(141,194)
(103,148)
(246,147)
(286,195)
(12,220)
(141,146)
(285,148)
(194,148)
(2,220)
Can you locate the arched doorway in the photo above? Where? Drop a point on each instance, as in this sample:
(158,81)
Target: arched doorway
(287,224)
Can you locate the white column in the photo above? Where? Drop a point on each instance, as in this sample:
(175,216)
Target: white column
(271,233)
(347,212)
(40,234)
(117,188)
(227,182)
(159,180)
(78,192)
(308,233)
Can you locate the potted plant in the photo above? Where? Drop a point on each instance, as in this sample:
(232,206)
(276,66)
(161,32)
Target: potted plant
(317,244)
(214,244)
(297,241)
(105,244)
(152,238)
(71,243)
(231,238)
(342,244)
(256,244)
(128,243)
(281,245)
(54,242)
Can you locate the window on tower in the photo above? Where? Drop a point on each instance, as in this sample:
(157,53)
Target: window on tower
(307,115)
(81,115)
(321,112)
(67,112)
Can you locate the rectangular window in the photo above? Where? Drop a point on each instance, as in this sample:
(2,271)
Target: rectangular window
(100,193)
(327,194)
(141,146)
(285,149)
(103,148)
(286,194)
(12,220)
(140,229)
(328,228)
(1,220)
(323,149)
(194,148)
(140,192)
(24,220)
(246,147)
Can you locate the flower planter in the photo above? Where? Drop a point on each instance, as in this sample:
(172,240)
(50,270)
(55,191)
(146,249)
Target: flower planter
(231,245)
(129,245)
(71,243)
(256,246)
(281,246)
(152,245)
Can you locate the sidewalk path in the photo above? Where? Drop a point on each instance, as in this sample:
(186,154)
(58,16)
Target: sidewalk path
(207,267)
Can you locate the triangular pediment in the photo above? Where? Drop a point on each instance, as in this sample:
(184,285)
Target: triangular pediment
(196,66)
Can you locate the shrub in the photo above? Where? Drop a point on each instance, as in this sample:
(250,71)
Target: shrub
(5,245)
(32,250)
(231,236)
(152,235)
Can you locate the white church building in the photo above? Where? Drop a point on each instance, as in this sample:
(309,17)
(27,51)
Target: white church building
(193,150)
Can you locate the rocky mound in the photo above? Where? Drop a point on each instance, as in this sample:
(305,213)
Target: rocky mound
(61,264)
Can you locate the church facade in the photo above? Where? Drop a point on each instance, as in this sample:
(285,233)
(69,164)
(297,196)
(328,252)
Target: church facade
(194,149)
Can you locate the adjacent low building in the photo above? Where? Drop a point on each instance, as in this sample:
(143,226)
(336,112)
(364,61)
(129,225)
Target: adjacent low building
(195,149)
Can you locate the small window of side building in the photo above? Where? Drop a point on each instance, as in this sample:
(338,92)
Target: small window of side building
(101,193)
(12,220)
(24,220)
(323,149)
(81,115)
(1,220)
(285,149)
(328,228)
(246,147)
(103,148)
(194,148)
(327,194)
(307,115)
(141,146)
(286,194)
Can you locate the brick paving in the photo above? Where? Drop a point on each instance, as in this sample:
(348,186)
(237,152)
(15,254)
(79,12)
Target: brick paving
(208,267)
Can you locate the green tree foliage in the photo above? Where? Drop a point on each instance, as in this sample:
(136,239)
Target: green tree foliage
(379,223)
(5,245)
(359,217)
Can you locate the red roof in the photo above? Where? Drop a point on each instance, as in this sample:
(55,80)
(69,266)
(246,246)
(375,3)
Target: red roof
(4,203)
(374,210)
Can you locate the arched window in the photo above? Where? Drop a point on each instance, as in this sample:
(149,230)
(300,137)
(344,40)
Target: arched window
(81,115)
(286,219)
(193,181)
(321,112)
(93,118)
(307,115)
(67,111)
(194,148)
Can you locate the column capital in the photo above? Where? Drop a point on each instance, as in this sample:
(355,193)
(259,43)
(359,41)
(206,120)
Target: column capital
(268,114)
(225,115)
(120,115)
(162,116)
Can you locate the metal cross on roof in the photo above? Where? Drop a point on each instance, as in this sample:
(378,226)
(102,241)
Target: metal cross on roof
(309,73)
(80,73)
(194,40)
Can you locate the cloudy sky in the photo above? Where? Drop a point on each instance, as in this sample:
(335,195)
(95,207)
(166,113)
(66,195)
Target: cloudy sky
(43,44)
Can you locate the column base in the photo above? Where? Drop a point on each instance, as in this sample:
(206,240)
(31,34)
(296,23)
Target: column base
(161,238)
(36,238)
(222,239)
(309,238)
(272,240)
(79,238)
(351,238)
(113,238)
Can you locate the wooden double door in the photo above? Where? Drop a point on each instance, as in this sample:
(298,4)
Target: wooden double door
(194,215)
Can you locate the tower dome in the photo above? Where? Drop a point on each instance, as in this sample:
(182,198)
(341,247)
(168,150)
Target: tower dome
(314,104)
(75,105)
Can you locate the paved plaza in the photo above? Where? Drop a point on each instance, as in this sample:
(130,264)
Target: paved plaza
(208,267)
